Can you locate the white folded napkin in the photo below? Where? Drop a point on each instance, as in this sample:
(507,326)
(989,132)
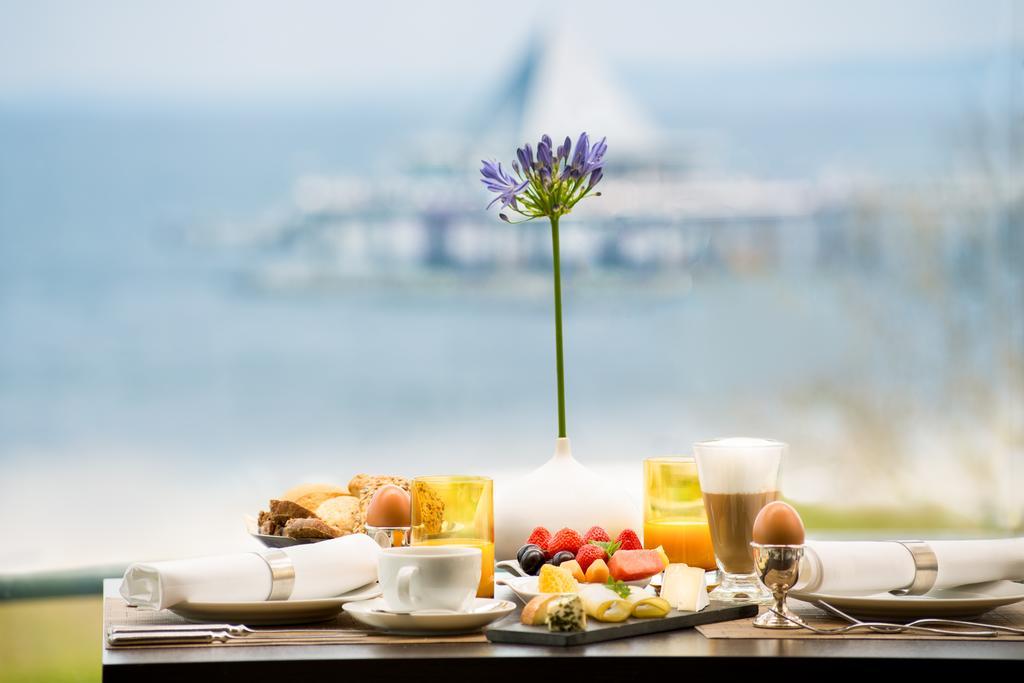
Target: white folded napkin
(870,567)
(322,570)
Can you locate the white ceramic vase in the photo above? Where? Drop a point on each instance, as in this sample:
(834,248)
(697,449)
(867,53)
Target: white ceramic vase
(560,493)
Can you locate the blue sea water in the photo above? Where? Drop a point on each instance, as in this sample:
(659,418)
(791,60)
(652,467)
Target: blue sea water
(141,371)
(116,329)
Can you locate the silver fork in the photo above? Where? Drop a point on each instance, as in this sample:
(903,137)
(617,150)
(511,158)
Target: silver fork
(921,622)
(883,627)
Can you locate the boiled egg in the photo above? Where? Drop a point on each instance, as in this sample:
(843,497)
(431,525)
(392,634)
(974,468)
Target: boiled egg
(389,507)
(778,524)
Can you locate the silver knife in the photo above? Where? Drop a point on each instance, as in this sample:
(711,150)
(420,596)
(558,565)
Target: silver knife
(195,637)
(233,629)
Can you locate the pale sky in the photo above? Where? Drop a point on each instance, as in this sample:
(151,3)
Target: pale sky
(205,48)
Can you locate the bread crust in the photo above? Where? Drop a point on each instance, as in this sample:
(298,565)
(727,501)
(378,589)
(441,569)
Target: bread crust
(341,512)
(302,490)
(283,510)
(535,613)
(309,527)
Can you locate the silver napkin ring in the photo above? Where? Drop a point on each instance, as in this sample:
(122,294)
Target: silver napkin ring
(282,573)
(926,566)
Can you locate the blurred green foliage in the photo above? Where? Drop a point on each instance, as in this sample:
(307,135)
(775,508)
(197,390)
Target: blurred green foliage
(880,523)
(51,640)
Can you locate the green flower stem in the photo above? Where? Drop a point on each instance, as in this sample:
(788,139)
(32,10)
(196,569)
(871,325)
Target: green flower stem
(558,326)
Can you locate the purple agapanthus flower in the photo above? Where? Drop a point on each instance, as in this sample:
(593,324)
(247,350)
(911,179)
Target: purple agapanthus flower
(550,183)
(545,160)
(580,157)
(586,160)
(497,180)
(563,150)
(596,159)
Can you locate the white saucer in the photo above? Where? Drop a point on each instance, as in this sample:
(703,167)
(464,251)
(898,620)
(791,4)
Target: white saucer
(483,611)
(965,601)
(526,586)
(273,611)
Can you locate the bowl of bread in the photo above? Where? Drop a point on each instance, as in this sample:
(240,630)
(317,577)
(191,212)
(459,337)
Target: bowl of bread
(315,512)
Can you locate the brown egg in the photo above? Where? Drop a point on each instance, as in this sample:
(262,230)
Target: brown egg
(389,507)
(778,524)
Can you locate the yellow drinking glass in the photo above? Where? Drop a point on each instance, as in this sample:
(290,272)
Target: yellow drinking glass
(674,516)
(456,510)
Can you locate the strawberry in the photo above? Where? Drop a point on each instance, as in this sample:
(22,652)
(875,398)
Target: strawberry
(540,537)
(587,553)
(564,539)
(595,533)
(628,540)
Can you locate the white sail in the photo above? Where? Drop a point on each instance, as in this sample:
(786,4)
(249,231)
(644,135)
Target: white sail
(570,91)
(562,87)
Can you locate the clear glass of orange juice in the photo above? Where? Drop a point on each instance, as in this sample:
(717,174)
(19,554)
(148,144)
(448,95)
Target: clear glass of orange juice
(674,516)
(456,510)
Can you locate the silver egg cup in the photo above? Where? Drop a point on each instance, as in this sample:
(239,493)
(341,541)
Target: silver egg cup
(778,568)
(389,536)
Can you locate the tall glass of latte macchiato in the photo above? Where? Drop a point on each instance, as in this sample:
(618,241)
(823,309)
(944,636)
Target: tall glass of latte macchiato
(738,476)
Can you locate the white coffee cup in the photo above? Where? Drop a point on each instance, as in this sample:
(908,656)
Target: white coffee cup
(429,577)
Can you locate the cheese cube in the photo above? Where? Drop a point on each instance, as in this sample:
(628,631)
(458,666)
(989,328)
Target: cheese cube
(566,614)
(683,587)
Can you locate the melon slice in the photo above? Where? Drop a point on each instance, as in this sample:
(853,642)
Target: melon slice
(633,565)
(597,572)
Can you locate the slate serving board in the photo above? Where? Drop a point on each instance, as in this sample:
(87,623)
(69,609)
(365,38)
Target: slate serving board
(509,631)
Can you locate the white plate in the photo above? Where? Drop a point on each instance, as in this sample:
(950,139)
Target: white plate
(965,601)
(526,586)
(273,611)
(482,612)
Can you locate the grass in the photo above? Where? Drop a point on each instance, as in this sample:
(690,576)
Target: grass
(51,639)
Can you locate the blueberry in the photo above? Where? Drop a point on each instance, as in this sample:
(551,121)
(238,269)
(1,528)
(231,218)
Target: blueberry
(531,560)
(519,554)
(562,556)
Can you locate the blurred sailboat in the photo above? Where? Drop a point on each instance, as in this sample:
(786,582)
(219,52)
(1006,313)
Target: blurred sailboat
(428,218)
(562,88)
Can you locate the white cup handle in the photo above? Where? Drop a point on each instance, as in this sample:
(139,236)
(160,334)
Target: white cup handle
(404,585)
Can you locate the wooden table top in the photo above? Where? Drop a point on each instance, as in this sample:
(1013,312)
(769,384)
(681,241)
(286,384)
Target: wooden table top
(684,651)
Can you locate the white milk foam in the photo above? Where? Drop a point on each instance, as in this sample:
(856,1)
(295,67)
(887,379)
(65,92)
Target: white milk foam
(738,465)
